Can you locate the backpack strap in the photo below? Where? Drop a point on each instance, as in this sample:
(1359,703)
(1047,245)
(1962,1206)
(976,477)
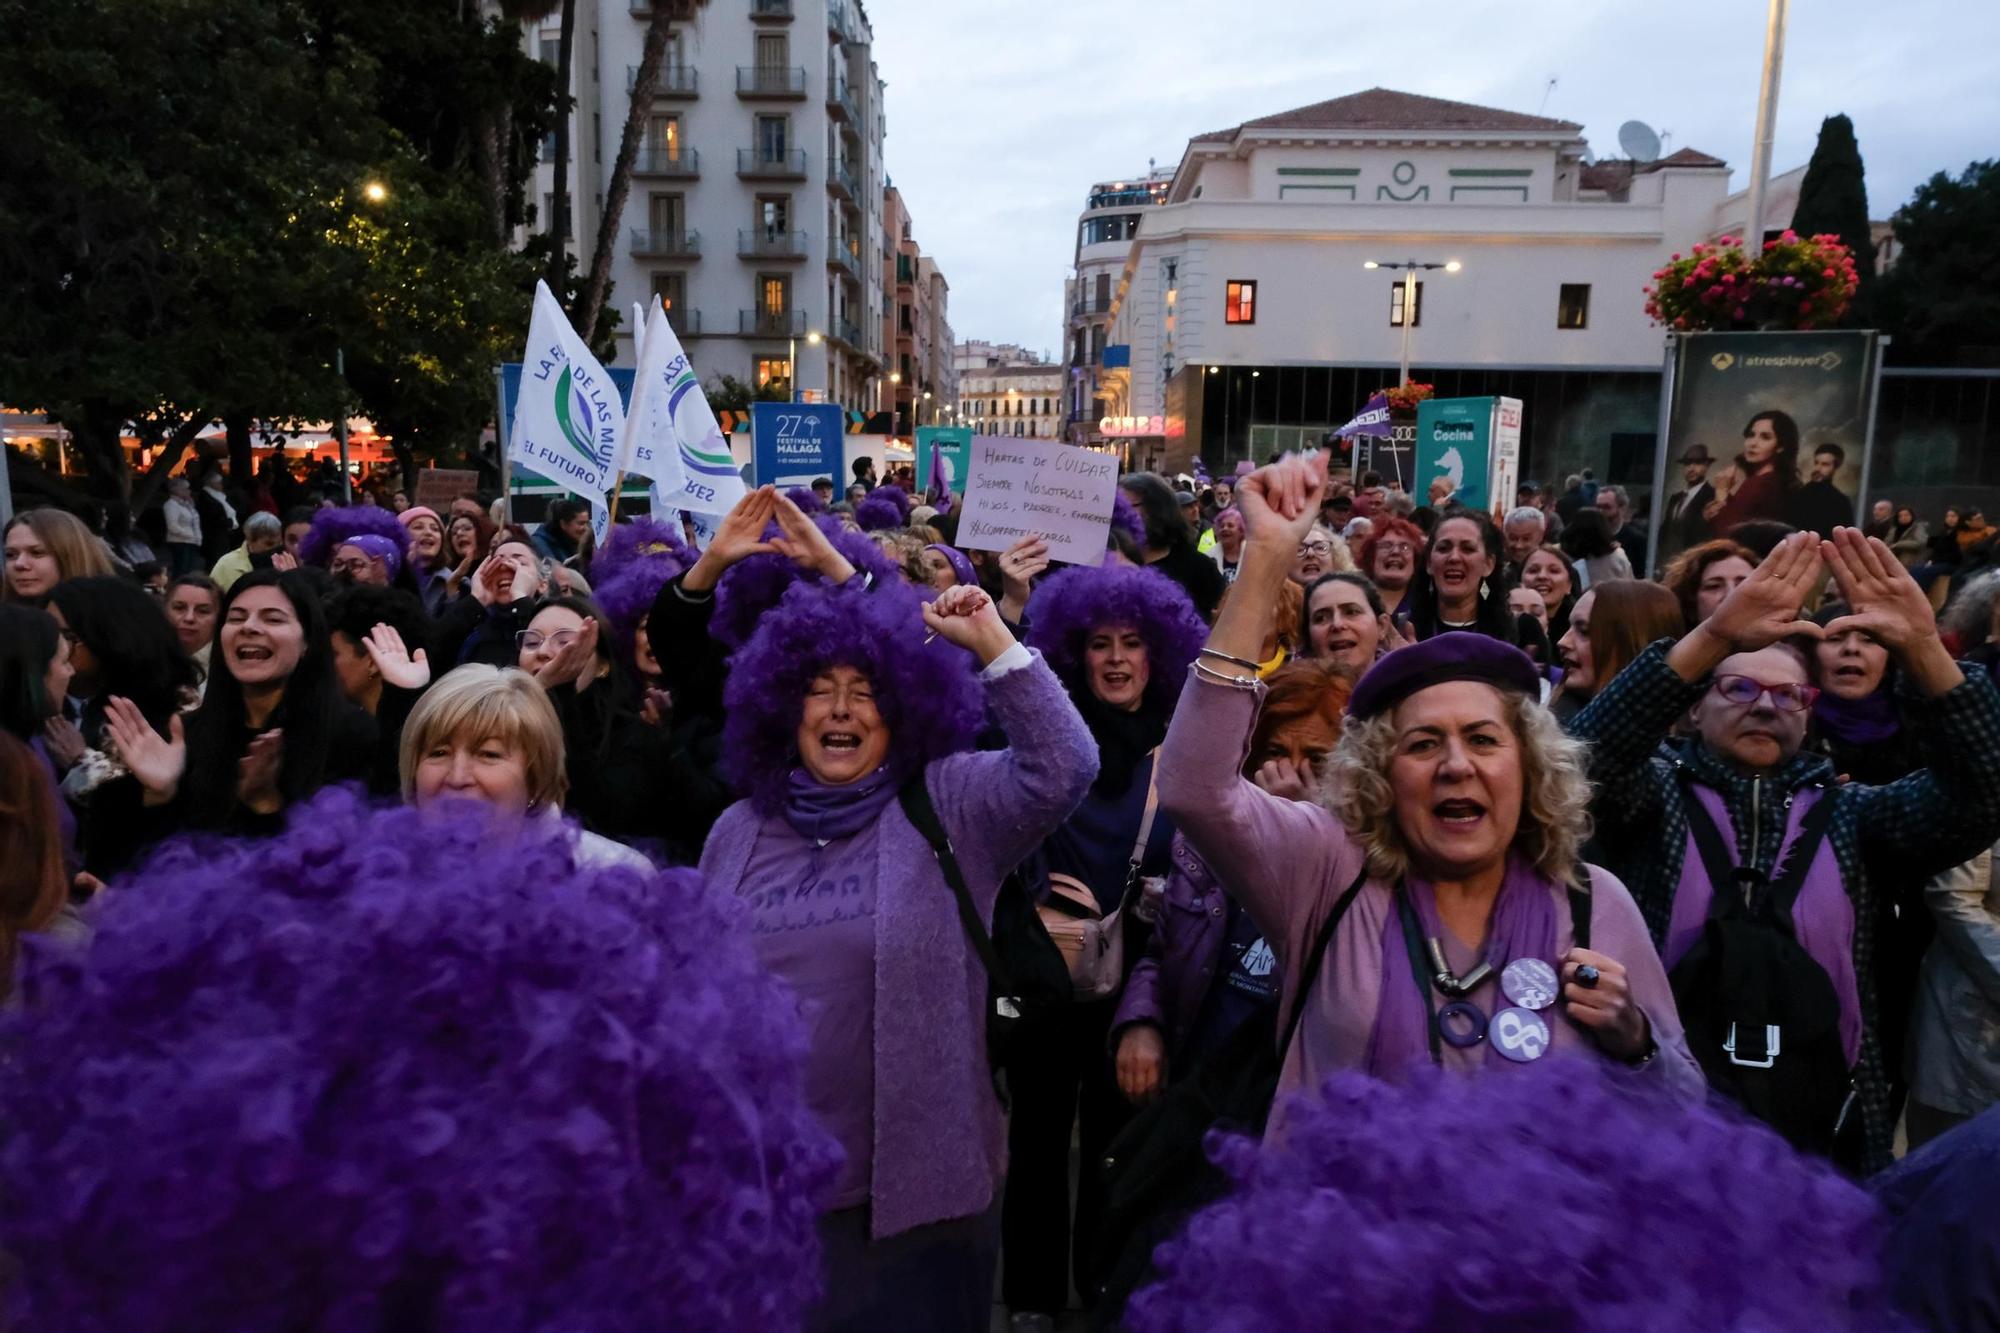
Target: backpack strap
(1579,909)
(1321,943)
(915,798)
(1726,879)
(1790,877)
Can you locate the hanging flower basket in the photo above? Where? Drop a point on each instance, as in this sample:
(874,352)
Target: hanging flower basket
(1403,399)
(1797,283)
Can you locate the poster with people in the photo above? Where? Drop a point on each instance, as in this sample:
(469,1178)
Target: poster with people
(1763,427)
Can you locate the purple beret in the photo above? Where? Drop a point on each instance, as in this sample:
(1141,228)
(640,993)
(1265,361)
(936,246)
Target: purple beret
(375,548)
(1447,657)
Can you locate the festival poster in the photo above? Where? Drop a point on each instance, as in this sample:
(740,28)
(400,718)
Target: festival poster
(1763,426)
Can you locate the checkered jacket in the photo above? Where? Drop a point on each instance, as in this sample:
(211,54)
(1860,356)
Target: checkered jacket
(1897,835)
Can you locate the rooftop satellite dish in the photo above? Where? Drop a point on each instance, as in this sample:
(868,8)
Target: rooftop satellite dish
(1636,137)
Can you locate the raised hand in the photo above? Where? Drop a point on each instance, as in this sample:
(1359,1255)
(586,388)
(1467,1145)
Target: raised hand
(284,560)
(63,741)
(1607,1008)
(801,541)
(1765,607)
(1883,601)
(1280,503)
(393,660)
(493,581)
(1290,779)
(740,535)
(573,663)
(966,616)
(157,762)
(257,773)
(658,710)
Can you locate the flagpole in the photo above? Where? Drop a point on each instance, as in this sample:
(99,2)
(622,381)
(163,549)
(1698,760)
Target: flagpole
(617,489)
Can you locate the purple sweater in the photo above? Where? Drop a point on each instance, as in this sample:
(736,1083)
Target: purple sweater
(940,1140)
(1291,861)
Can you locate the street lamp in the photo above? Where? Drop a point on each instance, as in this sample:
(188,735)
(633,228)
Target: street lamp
(1410,268)
(375,192)
(792,358)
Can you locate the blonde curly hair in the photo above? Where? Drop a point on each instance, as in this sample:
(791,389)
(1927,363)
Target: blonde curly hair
(1555,791)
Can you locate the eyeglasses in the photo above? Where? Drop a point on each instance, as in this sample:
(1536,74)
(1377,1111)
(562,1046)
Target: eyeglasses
(348,566)
(532,639)
(1394,548)
(1316,548)
(1745,691)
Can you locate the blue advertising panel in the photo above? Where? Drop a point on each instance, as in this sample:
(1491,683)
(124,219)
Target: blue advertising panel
(794,443)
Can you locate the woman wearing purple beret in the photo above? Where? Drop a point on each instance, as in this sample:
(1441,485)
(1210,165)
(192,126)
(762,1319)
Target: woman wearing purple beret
(1435,892)
(835,704)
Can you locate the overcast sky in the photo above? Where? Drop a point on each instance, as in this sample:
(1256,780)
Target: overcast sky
(1001,116)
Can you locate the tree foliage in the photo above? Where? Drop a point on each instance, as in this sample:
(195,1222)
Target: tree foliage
(190,234)
(1941,299)
(1833,201)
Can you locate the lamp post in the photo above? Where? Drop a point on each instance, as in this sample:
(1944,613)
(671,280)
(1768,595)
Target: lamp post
(1410,268)
(375,192)
(792,361)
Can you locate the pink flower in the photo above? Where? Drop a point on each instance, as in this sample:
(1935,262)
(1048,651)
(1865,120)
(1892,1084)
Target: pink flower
(1741,312)
(1806,306)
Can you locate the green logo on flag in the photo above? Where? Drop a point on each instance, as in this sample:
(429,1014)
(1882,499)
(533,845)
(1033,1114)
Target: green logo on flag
(573,417)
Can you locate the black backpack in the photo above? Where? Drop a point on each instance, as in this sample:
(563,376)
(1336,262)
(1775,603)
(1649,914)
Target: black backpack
(1026,977)
(1761,1015)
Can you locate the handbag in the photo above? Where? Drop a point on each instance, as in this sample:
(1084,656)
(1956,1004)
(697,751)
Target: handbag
(1092,941)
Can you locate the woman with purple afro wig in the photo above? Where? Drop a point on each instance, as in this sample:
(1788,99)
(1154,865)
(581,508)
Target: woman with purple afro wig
(1568,1201)
(886,507)
(1120,638)
(407,1070)
(361,544)
(842,720)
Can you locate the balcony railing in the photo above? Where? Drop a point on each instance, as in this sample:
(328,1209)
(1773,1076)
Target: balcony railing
(685,322)
(673,81)
(762,164)
(840,179)
(845,257)
(684,163)
(650,244)
(848,332)
(779,11)
(757,243)
(839,22)
(774,81)
(840,101)
(771,323)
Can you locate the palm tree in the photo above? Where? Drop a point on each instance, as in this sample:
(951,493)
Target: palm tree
(658,29)
(537,11)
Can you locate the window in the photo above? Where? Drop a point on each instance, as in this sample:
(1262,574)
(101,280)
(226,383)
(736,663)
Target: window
(772,136)
(1573,306)
(666,214)
(1098,231)
(674,59)
(1239,303)
(776,293)
(774,214)
(671,288)
(597,137)
(549,212)
(1103,292)
(772,369)
(1396,307)
(663,138)
(773,53)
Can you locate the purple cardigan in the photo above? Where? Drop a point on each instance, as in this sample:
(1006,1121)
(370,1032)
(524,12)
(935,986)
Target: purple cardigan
(940,1140)
(1290,861)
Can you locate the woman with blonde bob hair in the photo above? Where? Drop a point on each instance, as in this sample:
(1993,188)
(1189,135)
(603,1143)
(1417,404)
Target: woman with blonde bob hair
(1432,907)
(490,734)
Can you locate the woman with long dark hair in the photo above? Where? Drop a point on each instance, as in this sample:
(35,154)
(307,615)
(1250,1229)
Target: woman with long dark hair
(1610,626)
(1169,546)
(1454,587)
(1765,475)
(272,728)
(34,680)
(34,882)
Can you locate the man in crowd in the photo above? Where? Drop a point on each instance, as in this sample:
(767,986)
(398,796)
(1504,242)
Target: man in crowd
(1819,506)
(1616,506)
(262,536)
(1524,531)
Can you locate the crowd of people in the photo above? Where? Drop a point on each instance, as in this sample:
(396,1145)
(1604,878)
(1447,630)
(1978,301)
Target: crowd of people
(1305,783)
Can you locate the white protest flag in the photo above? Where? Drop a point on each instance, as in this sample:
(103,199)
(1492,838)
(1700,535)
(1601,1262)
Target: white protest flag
(674,438)
(568,417)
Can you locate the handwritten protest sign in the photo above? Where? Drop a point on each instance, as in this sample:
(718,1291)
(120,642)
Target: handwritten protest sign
(437,487)
(1018,486)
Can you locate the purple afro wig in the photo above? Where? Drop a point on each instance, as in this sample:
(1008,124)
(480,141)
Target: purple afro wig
(642,538)
(402,1070)
(1071,603)
(331,527)
(807,499)
(753,585)
(885,507)
(1126,518)
(1549,1198)
(928,695)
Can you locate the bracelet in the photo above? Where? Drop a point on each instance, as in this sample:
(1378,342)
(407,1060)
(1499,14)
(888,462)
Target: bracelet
(1225,657)
(1223,678)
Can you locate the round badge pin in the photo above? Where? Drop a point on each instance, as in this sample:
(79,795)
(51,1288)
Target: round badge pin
(1520,1035)
(1461,1024)
(1530,983)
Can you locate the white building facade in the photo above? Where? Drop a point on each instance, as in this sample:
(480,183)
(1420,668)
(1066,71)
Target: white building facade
(1104,235)
(1007,390)
(755,210)
(1245,317)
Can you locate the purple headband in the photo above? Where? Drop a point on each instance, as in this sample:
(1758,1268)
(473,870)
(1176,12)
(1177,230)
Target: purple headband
(959,564)
(377,548)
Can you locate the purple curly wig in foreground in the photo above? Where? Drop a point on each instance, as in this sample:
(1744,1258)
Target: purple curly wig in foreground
(1125,516)
(1549,1199)
(885,507)
(395,1070)
(807,499)
(1070,603)
(642,538)
(929,695)
(331,527)
(753,585)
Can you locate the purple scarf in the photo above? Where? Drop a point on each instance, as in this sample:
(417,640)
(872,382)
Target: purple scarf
(1865,721)
(821,812)
(1523,926)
